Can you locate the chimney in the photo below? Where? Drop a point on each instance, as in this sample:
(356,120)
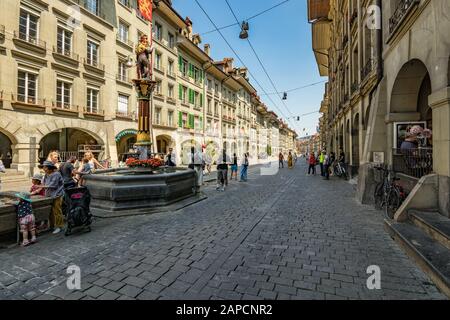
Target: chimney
(207,49)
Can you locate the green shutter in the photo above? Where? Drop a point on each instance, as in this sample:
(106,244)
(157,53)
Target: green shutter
(180,119)
(191,121)
(191,70)
(180,91)
(201,122)
(180,63)
(191,96)
(201,100)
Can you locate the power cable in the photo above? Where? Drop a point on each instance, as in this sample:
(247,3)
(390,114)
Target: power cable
(299,88)
(236,54)
(248,19)
(261,63)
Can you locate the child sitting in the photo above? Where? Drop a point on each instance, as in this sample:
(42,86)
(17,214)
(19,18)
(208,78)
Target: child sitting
(36,188)
(85,169)
(26,218)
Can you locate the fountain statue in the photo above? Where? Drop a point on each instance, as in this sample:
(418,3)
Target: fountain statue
(145,185)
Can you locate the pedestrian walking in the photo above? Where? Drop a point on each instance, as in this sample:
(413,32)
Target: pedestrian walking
(321,162)
(208,162)
(327,165)
(312,164)
(234,167)
(222,171)
(196,164)
(53,184)
(244,168)
(280,160)
(290,160)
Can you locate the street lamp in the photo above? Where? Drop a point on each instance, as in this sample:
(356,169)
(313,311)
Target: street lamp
(244,30)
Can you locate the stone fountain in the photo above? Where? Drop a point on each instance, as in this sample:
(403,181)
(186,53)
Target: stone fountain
(141,190)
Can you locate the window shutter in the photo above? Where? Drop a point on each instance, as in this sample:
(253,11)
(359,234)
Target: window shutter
(180,119)
(191,69)
(201,99)
(180,91)
(191,121)
(201,122)
(191,96)
(180,63)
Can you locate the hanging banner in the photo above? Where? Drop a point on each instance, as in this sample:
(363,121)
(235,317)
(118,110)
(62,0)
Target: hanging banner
(146,9)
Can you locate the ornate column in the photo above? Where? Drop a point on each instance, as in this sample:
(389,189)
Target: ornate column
(144,89)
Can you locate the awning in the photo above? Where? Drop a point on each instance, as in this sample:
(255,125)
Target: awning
(321,45)
(124,133)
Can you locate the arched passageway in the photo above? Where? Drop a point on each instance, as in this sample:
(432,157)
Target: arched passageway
(409,101)
(71,142)
(6,154)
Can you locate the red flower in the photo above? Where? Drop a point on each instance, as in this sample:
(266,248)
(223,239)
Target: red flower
(150,163)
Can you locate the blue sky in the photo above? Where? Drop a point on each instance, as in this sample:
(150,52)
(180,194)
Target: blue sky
(281,38)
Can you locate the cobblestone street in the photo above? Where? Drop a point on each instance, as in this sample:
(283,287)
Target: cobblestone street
(286,236)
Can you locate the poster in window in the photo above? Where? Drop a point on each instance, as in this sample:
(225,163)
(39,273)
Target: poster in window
(401,128)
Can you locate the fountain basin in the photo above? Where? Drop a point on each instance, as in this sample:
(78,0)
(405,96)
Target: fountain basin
(125,191)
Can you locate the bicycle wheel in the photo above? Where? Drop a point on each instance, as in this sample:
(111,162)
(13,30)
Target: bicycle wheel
(378,195)
(337,172)
(393,202)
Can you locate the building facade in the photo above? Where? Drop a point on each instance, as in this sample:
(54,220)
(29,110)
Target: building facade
(65,84)
(388,69)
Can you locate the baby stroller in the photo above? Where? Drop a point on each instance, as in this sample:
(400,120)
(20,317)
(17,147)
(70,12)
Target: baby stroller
(77,212)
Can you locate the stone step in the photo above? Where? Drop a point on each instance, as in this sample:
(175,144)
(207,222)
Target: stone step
(13,172)
(430,255)
(434,224)
(13,178)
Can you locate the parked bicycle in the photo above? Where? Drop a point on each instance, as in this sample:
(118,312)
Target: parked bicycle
(389,195)
(340,170)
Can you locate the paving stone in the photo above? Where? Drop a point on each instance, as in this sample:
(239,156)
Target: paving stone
(75,295)
(285,289)
(95,291)
(135,281)
(102,282)
(114,285)
(247,237)
(154,287)
(130,291)
(148,295)
(268,295)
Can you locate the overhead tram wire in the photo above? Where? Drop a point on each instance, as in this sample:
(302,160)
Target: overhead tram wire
(237,56)
(262,66)
(248,19)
